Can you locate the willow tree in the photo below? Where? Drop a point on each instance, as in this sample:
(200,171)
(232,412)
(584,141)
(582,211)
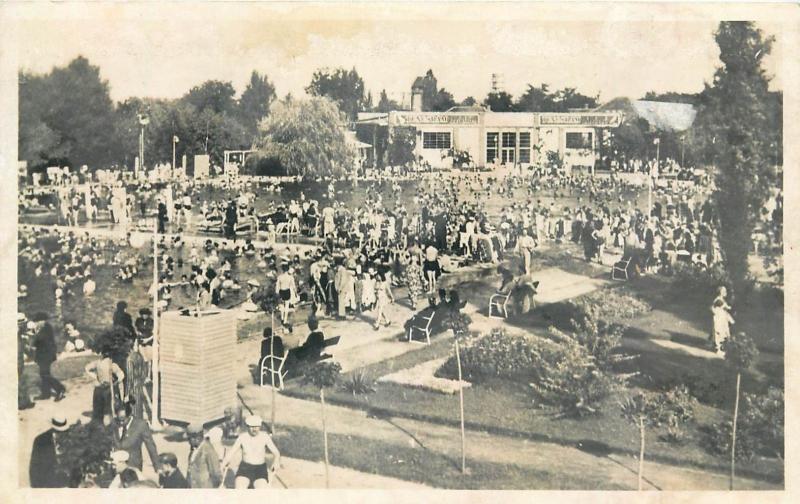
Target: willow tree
(736,135)
(307,136)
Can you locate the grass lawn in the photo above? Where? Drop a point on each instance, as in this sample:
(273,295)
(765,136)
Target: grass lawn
(414,463)
(506,408)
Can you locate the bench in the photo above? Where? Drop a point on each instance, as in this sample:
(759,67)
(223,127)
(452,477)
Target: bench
(423,326)
(620,269)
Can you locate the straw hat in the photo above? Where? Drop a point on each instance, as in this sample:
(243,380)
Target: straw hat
(59,423)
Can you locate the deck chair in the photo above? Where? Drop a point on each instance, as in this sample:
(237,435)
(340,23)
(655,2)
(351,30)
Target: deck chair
(499,301)
(620,269)
(274,365)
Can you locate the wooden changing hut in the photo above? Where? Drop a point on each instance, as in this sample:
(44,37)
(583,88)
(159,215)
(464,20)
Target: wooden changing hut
(198,354)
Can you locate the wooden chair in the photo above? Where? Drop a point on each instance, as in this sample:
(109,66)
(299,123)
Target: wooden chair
(499,301)
(269,367)
(620,269)
(425,328)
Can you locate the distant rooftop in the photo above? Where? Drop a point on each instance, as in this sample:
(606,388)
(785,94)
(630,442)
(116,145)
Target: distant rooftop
(664,116)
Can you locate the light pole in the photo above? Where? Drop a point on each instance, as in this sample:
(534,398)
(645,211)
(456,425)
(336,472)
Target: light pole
(143,121)
(155,407)
(175,140)
(651,179)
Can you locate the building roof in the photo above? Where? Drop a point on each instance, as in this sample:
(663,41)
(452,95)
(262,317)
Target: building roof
(664,116)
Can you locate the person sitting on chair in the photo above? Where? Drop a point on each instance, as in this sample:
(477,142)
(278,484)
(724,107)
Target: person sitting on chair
(311,349)
(271,344)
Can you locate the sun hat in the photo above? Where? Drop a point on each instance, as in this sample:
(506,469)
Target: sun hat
(59,422)
(194,428)
(253,421)
(120,456)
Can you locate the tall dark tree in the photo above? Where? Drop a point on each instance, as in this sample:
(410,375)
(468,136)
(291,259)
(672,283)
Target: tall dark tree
(536,99)
(344,87)
(569,98)
(213,95)
(255,101)
(443,101)
(67,113)
(734,129)
(385,104)
(469,101)
(499,102)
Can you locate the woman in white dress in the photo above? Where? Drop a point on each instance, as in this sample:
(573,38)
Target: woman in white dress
(720,311)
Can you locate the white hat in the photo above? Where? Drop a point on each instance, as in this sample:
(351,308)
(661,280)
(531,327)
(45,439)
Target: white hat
(253,421)
(59,422)
(120,456)
(254,283)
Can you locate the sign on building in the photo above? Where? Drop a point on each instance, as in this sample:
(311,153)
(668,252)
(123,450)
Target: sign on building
(596,120)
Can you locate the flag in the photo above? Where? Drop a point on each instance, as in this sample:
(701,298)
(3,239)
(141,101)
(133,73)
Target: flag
(175,138)
(656,141)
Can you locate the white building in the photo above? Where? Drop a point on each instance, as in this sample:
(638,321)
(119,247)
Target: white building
(501,138)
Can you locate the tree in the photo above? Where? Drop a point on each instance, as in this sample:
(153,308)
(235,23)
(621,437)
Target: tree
(443,101)
(639,410)
(536,99)
(345,88)
(66,114)
(469,101)
(114,343)
(402,141)
(213,95)
(459,323)
(740,353)
(735,134)
(86,449)
(569,98)
(254,103)
(307,136)
(385,104)
(499,102)
(323,375)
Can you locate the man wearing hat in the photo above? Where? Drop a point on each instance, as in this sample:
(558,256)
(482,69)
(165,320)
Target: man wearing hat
(120,460)
(45,345)
(203,470)
(44,471)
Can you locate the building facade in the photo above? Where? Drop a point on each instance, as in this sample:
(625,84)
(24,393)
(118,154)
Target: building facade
(501,138)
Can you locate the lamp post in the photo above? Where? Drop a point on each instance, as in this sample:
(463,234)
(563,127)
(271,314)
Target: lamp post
(175,140)
(143,121)
(651,178)
(155,407)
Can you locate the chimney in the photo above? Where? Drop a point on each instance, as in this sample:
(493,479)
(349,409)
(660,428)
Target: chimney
(416,100)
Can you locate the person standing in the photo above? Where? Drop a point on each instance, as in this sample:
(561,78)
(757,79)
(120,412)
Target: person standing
(204,469)
(383,298)
(43,470)
(123,319)
(162,215)
(720,311)
(253,467)
(45,354)
(129,434)
(526,246)
(107,375)
(231,217)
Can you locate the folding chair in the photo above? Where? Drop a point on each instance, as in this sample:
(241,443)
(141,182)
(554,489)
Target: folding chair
(620,269)
(268,366)
(425,330)
(500,302)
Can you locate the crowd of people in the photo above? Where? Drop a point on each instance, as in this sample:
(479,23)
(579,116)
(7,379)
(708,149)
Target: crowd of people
(351,260)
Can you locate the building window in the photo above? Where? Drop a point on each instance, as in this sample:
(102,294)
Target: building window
(525,147)
(435,140)
(491,146)
(579,140)
(509,148)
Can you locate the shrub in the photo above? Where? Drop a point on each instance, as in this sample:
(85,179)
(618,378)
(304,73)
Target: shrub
(115,343)
(609,305)
(322,374)
(759,430)
(701,281)
(571,380)
(672,410)
(359,383)
(600,338)
(86,450)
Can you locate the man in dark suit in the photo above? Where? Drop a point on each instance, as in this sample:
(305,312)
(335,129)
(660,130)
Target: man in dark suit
(129,434)
(44,471)
(45,354)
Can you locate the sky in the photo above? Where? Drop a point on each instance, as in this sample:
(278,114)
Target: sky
(162,52)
